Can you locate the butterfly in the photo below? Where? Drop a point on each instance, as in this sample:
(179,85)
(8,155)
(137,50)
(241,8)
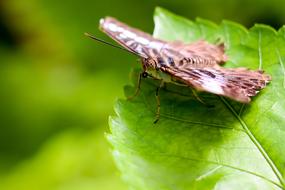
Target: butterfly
(196,64)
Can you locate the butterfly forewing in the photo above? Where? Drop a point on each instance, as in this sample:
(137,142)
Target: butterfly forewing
(131,38)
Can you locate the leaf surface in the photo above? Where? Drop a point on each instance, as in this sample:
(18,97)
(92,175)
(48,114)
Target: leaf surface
(227,146)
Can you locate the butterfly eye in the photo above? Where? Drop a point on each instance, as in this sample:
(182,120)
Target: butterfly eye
(144,74)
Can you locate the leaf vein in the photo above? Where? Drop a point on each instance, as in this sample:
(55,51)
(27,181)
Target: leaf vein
(225,165)
(255,141)
(282,67)
(259,51)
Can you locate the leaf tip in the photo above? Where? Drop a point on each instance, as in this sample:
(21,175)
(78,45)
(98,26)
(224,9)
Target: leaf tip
(159,10)
(264,27)
(234,25)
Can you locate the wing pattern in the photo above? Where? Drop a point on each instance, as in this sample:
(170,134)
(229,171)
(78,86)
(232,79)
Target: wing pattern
(198,65)
(238,84)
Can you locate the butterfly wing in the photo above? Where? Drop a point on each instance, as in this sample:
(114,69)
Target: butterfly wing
(199,50)
(197,65)
(238,84)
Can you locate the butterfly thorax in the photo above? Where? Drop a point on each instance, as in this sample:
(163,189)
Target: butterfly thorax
(154,70)
(160,61)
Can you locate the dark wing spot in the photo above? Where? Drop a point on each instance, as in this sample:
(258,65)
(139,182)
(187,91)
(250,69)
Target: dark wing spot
(182,62)
(133,45)
(229,86)
(145,51)
(160,61)
(155,52)
(248,84)
(170,61)
(208,73)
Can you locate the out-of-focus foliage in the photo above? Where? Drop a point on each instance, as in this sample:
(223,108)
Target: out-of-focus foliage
(58,87)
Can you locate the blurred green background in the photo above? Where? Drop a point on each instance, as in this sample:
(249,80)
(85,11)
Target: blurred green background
(57,87)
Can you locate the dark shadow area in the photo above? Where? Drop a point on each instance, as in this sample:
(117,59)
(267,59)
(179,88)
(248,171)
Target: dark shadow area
(7,38)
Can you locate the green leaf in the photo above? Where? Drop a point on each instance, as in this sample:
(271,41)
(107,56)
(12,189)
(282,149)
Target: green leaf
(228,146)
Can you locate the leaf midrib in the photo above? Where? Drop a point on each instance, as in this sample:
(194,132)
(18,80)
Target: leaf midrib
(256,143)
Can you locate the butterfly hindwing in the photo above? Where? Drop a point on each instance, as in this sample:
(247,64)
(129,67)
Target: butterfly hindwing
(237,84)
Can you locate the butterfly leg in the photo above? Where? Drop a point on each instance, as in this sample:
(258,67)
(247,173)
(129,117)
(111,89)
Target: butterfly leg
(196,96)
(141,75)
(199,99)
(157,115)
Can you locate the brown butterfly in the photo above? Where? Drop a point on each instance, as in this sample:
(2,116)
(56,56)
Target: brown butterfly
(196,64)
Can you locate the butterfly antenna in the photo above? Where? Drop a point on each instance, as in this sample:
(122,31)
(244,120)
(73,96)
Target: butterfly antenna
(108,43)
